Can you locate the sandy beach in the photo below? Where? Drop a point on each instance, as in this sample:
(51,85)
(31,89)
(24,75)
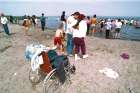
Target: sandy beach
(14,70)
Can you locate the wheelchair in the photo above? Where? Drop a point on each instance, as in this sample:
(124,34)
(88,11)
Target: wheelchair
(48,75)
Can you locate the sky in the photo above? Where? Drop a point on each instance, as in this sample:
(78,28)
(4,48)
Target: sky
(55,7)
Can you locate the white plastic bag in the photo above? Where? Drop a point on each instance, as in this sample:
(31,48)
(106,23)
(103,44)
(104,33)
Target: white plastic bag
(109,73)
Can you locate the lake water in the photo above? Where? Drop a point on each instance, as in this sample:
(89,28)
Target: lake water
(130,32)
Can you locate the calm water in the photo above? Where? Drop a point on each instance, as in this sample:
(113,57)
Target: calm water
(129,32)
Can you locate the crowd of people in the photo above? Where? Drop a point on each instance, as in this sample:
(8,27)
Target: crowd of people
(107,26)
(75,27)
(113,25)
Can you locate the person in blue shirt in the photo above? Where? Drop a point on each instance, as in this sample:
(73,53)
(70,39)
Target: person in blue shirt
(43,22)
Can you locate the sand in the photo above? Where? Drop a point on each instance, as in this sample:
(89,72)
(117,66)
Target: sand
(14,70)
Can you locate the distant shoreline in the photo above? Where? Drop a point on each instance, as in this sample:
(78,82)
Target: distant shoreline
(107,16)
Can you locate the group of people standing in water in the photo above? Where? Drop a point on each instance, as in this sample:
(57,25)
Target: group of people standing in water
(107,26)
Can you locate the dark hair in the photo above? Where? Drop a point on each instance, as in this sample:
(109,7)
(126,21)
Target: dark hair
(42,14)
(119,20)
(2,14)
(63,12)
(24,17)
(76,13)
(81,17)
(88,17)
(33,16)
(62,18)
(28,17)
(94,16)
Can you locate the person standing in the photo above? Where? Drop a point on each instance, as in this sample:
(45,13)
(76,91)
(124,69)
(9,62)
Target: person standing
(63,17)
(27,24)
(4,22)
(63,21)
(113,22)
(101,25)
(58,38)
(43,22)
(36,21)
(11,19)
(79,34)
(88,25)
(71,21)
(36,24)
(108,25)
(33,20)
(118,28)
(93,24)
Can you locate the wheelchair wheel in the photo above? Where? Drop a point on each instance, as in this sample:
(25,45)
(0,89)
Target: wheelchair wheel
(51,83)
(68,72)
(34,77)
(70,69)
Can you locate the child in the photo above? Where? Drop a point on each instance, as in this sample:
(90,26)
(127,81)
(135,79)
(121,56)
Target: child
(58,38)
